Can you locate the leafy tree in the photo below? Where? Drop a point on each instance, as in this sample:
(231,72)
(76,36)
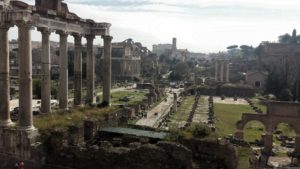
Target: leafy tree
(36,85)
(286,38)
(274,84)
(232,47)
(181,72)
(285,95)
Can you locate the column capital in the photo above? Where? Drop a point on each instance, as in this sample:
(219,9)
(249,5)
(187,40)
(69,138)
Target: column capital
(76,36)
(107,37)
(90,37)
(25,24)
(62,33)
(44,31)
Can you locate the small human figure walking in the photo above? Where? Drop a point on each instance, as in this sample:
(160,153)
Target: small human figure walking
(22,165)
(16,165)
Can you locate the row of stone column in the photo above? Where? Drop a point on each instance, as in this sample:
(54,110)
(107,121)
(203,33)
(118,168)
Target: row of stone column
(221,69)
(25,73)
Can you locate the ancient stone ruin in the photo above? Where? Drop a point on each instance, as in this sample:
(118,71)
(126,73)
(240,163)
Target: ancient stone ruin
(277,112)
(47,16)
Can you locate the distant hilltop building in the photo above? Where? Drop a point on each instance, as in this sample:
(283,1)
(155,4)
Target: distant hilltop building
(171,50)
(126,60)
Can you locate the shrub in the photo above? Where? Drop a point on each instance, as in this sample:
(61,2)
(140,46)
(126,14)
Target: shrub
(201,130)
(285,95)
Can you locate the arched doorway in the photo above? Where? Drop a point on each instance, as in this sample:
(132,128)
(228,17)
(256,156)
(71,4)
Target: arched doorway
(253,131)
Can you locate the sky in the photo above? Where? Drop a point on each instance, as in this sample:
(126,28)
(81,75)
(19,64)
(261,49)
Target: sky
(199,25)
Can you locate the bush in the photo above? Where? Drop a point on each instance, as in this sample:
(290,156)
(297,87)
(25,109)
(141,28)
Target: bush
(201,131)
(285,95)
(36,85)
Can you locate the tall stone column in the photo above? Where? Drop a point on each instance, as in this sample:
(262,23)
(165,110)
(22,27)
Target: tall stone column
(222,72)
(25,74)
(63,72)
(216,70)
(107,69)
(227,71)
(4,78)
(90,70)
(77,69)
(46,67)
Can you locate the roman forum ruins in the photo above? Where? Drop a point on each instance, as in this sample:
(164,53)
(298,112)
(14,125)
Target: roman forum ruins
(221,70)
(48,17)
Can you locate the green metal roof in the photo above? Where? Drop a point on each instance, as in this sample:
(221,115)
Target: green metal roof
(135,132)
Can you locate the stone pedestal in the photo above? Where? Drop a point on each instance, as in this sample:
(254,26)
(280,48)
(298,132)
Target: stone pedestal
(90,70)
(25,74)
(89,130)
(107,69)
(4,78)
(63,72)
(46,76)
(18,143)
(74,135)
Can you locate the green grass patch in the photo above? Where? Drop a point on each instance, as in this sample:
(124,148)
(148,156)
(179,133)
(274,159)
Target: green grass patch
(182,113)
(227,115)
(135,97)
(48,123)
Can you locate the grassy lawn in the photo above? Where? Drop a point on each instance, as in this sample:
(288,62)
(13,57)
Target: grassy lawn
(48,123)
(135,97)
(182,113)
(227,115)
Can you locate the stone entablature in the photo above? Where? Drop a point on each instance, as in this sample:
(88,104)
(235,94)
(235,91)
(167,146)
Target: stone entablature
(18,11)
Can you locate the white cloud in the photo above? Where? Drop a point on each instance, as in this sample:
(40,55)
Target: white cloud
(199,25)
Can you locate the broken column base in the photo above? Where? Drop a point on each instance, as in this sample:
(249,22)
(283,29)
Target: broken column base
(18,143)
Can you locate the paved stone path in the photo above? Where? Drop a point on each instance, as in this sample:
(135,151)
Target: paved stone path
(158,112)
(230,100)
(201,113)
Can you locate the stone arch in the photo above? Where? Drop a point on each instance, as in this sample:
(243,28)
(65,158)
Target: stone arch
(254,125)
(246,118)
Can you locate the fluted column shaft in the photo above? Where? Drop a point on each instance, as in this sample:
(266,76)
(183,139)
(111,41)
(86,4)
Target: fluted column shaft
(46,76)
(4,78)
(77,70)
(25,74)
(63,72)
(90,70)
(107,69)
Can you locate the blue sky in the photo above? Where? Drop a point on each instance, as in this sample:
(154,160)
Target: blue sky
(199,25)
